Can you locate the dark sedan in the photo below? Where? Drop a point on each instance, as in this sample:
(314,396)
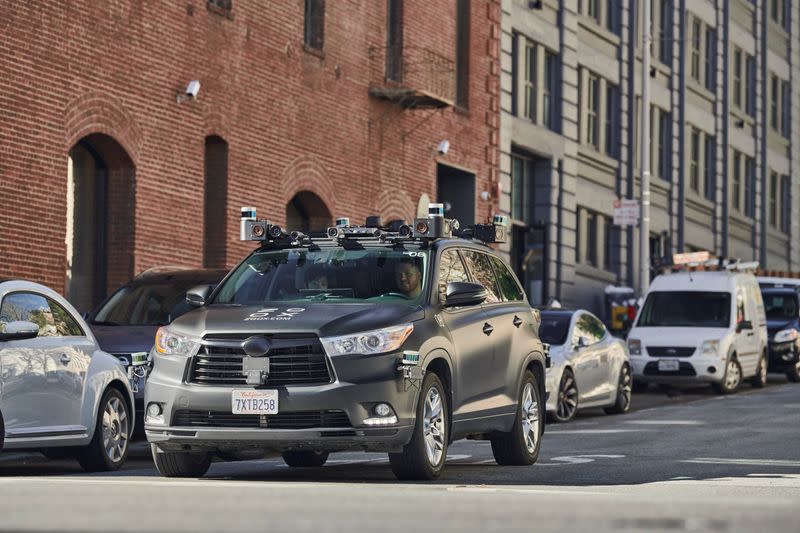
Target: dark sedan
(782,305)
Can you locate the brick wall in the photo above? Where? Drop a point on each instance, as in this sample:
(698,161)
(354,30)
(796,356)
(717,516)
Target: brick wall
(293,120)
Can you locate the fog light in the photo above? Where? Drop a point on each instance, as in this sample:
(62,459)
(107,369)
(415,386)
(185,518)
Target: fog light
(712,370)
(383,409)
(153,410)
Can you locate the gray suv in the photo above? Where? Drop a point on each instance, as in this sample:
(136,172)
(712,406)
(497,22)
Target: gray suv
(367,339)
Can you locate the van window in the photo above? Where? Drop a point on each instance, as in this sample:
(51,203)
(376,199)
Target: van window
(691,309)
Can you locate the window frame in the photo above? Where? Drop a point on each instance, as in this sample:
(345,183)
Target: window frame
(736,85)
(711,59)
(694,160)
(468,263)
(695,44)
(592,134)
(48,300)
(457,251)
(499,265)
(314,25)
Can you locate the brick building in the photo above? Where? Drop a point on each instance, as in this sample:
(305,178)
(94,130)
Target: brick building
(307,110)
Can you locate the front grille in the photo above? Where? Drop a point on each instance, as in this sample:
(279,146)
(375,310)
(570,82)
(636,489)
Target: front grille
(297,420)
(669,351)
(685,369)
(293,360)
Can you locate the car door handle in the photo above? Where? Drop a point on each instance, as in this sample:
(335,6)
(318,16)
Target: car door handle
(517,321)
(487,328)
(65,359)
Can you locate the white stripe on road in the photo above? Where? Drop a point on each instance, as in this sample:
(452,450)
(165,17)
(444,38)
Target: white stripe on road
(592,431)
(666,422)
(742,462)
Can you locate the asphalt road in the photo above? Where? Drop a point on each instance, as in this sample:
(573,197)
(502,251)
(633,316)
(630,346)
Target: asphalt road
(684,462)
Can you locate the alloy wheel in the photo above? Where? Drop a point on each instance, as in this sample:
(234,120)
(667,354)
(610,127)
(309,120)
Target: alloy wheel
(567,398)
(625,387)
(733,375)
(530,417)
(116,429)
(434,426)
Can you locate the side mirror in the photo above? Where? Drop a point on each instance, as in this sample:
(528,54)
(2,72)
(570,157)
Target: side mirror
(743,325)
(197,296)
(582,342)
(19,330)
(460,294)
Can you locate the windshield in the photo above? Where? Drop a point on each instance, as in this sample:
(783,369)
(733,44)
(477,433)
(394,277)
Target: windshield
(333,274)
(692,309)
(156,304)
(780,305)
(554,328)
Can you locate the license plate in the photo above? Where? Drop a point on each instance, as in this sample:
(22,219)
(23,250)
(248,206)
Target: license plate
(669,365)
(254,402)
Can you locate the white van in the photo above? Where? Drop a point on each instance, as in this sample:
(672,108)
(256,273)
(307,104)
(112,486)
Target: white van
(701,326)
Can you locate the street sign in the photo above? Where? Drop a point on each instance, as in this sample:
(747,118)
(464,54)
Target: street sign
(626,212)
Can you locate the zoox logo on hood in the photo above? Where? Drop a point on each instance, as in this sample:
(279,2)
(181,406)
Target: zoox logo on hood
(273,313)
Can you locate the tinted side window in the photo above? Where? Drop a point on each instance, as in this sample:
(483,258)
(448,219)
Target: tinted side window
(451,269)
(30,308)
(482,271)
(509,287)
(66,325)
(589,327)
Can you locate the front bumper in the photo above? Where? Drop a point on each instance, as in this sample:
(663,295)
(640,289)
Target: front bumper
(693,369)
(782,356)
(361,382)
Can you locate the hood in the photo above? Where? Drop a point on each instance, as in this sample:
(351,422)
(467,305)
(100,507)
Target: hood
(774,326)
(323,319)
(124,339)
(677,337)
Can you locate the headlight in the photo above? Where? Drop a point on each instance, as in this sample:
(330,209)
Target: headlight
(710,348)
(635,346)
(369,342)
(785,335)
(171,343)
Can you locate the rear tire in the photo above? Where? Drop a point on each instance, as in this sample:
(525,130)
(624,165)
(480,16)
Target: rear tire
(424,456)
(180,464)
(760,379)
(520,447)
(305,459)
(2,432)
(732,378)
(624,389)
(109,445)
(793,374)
(568,398)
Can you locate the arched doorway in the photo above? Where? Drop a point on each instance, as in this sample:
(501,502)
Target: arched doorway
(307,212)
(101,206)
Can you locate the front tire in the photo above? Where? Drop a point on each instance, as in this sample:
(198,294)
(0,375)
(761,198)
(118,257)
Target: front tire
(567,400)
(759,381)
(732,378)
(624,389)
(180,464)
(424,456)
(2,432)
(305,459)
(109,445)
(520,447)
(793,374)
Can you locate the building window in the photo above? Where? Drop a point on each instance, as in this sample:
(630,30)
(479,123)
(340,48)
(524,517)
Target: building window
(786,204)
(664,134)
(463,19)
(592,110)
(593,239)
(694,161)
(786,109)
(222,5)
(612,120)
(736,186)
(695,67)
(711,167)
(773,199)
(394,40)
(535,83)
(711,59)
(529,110)
(750,186)
(750,85)
(779,13)
(773,104)
(593,10)
(315,24)
(612,16)
(665,32)
(737,78)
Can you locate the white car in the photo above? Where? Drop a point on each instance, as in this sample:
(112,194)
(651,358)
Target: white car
(701,327)
(59,393)
(589,367)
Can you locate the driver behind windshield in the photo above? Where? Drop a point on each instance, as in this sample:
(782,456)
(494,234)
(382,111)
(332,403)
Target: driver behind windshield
(408,278)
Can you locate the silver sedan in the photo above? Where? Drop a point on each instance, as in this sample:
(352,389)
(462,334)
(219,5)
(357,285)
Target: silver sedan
(59,393)
(589,368)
